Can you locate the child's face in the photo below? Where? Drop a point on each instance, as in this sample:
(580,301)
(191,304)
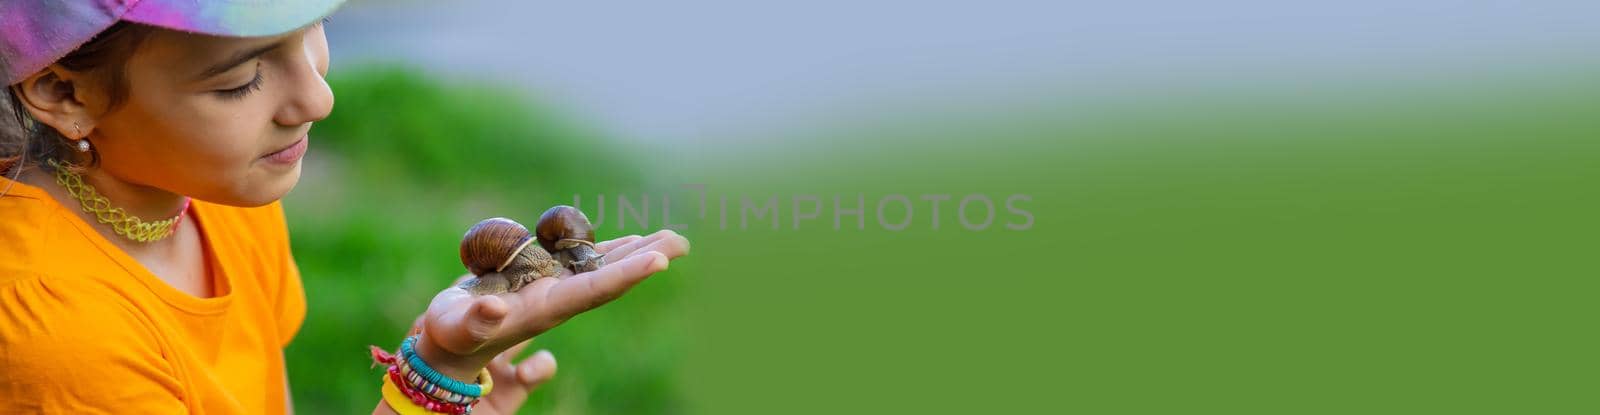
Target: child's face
(203,113)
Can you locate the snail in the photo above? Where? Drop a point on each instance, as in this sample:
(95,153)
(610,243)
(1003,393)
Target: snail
(566,232)
(501,254)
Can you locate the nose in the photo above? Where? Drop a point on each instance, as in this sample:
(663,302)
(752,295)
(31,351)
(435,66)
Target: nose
(310,99)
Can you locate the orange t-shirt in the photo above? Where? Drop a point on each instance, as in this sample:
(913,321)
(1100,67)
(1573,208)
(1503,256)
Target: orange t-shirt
(84,328)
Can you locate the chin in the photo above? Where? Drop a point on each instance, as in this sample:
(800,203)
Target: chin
(264,190)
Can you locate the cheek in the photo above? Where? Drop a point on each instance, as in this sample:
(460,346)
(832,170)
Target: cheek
(191,145)
(223,135)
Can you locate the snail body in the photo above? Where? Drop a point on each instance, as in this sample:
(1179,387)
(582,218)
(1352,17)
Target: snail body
(503,257)
(565,231)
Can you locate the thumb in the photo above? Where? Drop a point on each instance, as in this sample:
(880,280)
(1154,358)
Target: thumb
(484,318)
(463,330)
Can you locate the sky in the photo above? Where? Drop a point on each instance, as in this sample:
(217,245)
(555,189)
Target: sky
(692,69)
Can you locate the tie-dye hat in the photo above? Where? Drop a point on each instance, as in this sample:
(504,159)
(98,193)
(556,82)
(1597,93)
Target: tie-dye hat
(39,32)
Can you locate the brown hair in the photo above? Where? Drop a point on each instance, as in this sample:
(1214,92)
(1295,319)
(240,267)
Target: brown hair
(24,141)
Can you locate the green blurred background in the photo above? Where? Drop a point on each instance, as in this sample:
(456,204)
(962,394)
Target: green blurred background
(1421,242)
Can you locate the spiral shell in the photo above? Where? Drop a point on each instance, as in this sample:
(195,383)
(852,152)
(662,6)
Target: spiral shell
(491,245)
(562,226)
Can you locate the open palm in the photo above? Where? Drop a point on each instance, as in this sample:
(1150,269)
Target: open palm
(462,333)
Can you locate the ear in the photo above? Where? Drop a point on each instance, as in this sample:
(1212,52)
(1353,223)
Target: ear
(55,97)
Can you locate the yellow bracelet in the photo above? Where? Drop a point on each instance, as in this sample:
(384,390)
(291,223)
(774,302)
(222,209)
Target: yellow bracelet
(486,381)
(397,400)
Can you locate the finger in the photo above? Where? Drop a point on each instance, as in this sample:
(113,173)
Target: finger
(622,252)
(607,246)
(464,322)
(588,290)
(501,367)
(536,369)
(512,390)
(671,244)
(505,357)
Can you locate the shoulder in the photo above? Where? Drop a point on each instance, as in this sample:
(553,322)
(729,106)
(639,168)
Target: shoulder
(39,312)
(72,342)
(37,236)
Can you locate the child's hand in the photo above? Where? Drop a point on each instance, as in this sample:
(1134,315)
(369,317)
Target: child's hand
(513,382)
(462,333)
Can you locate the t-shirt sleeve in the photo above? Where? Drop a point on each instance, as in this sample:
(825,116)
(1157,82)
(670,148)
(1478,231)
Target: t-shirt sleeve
(67,350)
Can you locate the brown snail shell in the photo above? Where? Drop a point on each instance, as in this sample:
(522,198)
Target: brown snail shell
(501,253)
(566,232)
(563,222)
(491,245)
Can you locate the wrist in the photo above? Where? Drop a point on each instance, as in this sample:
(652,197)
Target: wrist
(418,386)
(458,367)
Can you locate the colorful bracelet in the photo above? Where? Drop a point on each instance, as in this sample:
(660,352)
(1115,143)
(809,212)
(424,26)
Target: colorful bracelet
(398,400)
(423,400)
(410,379)
(409,353)
(416,382)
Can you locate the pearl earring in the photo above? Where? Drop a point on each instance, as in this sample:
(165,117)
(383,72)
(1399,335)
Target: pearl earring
(83,143)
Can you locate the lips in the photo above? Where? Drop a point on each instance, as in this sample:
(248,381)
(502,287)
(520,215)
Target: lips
(290,154)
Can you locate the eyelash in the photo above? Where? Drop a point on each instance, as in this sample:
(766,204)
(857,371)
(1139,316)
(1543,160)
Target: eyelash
(255,83)
(246,89)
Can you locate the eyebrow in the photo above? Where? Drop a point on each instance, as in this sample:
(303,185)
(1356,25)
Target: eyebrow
(235,60)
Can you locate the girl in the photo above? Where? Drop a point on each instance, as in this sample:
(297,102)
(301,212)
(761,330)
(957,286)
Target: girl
(145,264)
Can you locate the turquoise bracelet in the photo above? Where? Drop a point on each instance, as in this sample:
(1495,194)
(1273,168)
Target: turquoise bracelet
(434,377)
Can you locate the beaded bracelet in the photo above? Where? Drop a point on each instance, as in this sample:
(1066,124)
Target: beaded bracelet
(416,382)
(409,354)
(423,400)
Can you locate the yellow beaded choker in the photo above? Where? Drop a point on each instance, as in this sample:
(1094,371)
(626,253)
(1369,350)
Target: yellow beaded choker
(121,222)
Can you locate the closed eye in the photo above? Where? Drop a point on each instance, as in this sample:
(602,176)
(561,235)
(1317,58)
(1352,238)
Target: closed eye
(242,90)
